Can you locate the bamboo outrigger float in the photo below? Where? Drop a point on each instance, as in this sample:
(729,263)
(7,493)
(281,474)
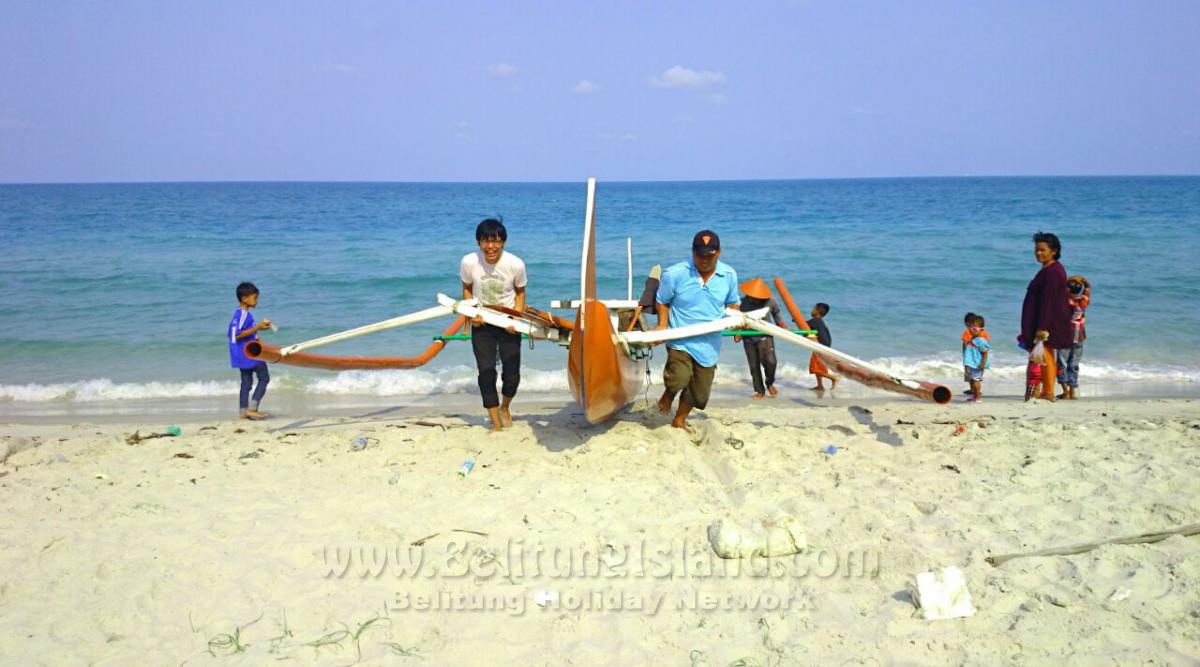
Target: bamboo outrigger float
(606,367)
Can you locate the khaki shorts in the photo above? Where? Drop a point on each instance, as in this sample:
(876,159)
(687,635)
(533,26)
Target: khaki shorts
(682,373)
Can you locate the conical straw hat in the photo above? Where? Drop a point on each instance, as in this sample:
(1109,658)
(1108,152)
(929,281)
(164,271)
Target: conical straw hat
(755,288)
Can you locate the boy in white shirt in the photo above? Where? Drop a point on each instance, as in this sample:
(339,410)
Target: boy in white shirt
(496,278)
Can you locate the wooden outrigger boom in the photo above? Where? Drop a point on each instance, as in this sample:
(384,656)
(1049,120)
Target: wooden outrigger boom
(273,354)
(606,367)
(856,369)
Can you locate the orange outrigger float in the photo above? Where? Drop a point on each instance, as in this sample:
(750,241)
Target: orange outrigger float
(606,367)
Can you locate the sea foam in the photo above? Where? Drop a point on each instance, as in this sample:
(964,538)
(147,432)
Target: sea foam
(462,380)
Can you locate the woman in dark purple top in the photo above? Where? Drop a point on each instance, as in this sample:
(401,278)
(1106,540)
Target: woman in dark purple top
(1046,306)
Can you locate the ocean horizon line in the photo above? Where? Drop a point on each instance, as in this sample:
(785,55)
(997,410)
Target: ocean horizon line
(815,179)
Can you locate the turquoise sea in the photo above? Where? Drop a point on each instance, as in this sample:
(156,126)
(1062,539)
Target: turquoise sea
(111,293)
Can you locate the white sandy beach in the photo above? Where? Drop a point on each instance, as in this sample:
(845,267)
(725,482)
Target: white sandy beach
(232,544)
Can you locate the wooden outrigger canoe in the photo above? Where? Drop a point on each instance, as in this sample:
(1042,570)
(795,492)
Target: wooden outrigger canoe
(604,374)
(606,367)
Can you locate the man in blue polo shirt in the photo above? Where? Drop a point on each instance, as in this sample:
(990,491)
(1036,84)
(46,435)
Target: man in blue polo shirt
(693,293)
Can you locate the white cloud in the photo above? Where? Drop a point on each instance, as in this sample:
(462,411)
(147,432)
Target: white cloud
(682,77)
(501,69)
(585,87)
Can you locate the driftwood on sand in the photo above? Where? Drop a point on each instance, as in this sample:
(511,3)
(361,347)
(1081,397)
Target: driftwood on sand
(1144,538)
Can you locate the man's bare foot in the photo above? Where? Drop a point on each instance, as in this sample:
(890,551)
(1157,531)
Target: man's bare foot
(758,396)
(773,391)
(679,423)
(246,415)
(255,414)
(505,416)
(664,404)
(817,388)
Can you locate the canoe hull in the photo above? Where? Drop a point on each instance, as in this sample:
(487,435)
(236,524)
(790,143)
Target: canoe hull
(603,378)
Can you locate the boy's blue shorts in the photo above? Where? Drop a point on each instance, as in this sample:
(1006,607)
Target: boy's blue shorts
(972,374)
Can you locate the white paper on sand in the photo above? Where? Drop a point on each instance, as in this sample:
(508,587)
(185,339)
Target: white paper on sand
(942,594)
(775,536)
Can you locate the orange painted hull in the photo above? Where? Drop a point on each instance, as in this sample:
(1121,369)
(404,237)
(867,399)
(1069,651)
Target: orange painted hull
(603,378)
(256,349)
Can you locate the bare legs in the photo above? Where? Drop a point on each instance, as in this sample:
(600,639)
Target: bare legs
(833,382)
(501,415)
(681,413)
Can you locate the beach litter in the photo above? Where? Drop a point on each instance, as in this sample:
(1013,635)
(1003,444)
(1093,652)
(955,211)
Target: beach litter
(1120,594)
(1074,549)
(172,432)
(466,468)
(360,443)
(925,507)
(830,450)
(779,535)
(942,594)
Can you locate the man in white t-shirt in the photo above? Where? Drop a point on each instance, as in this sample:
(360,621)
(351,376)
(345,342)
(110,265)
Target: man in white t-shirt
(496,278)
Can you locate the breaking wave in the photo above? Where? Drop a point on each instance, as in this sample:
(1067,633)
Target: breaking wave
(461,380)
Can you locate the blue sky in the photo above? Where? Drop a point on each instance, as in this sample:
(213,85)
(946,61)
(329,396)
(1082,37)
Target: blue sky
(557,91)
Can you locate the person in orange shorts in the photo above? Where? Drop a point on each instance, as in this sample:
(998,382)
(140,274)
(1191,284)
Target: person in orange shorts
(1039,372)
(815,365)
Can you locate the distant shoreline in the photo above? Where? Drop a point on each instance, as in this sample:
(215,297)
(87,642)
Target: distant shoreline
(615,181)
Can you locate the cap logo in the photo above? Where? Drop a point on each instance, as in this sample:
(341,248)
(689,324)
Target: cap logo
(707,239)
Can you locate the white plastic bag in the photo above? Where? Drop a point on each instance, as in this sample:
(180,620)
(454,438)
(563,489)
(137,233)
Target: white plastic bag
(942,594)
(1038,353)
